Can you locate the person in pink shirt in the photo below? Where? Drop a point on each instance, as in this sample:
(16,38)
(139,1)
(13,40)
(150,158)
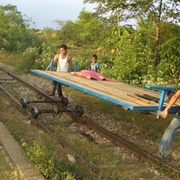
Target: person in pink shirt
(92,75)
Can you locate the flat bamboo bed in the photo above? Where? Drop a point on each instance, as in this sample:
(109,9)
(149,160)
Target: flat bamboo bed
(125,95)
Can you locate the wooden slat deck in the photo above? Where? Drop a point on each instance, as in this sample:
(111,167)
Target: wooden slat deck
(125,95)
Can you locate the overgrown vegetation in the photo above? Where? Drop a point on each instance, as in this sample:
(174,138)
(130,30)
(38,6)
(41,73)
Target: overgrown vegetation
(41,153)
(6,169)
(147,53)
(51,159)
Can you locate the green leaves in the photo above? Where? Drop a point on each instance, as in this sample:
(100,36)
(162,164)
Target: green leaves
(124,53)
(13,30)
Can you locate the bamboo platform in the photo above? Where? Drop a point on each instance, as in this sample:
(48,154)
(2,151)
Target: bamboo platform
(125,95)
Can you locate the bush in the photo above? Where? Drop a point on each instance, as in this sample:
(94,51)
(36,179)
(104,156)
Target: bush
(28,62)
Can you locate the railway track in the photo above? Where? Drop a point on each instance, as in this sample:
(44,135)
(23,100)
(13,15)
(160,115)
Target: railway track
(77,116)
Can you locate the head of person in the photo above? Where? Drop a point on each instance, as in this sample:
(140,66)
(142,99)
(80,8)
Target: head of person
(63,49)
(94,58)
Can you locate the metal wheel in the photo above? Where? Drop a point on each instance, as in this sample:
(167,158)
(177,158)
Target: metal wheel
(64,101)
(24,102)
(79,110)
(34,112)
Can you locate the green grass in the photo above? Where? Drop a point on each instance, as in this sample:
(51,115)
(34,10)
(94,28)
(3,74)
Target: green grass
(145,126)
(109,162)
(6,170)
(9,58)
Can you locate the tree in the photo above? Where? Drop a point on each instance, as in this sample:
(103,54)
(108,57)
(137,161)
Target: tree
(91,28)
(70,33)
(12,25)
(157,12)
(14,33)
(170,54)
(146,51)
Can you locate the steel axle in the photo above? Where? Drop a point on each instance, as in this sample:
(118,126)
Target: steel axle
(24,101)
(35,111)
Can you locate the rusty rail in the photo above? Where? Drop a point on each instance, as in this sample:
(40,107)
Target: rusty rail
(119,141)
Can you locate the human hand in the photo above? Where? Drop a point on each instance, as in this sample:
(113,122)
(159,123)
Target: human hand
(164,113)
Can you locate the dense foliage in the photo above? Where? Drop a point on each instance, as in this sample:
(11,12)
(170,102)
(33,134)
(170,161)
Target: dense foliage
(147,52)
(14,32)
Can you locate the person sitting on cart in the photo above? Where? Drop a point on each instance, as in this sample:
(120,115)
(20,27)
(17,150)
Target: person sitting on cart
(94,64)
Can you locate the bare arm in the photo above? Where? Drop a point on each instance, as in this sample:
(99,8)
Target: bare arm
(48,67)
(170,104)
(98,70)
(55,60)
(71,63)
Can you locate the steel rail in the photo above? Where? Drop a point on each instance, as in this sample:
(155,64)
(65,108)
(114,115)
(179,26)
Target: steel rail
(14,99)
(119,141)
(93,167)
(27,84)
